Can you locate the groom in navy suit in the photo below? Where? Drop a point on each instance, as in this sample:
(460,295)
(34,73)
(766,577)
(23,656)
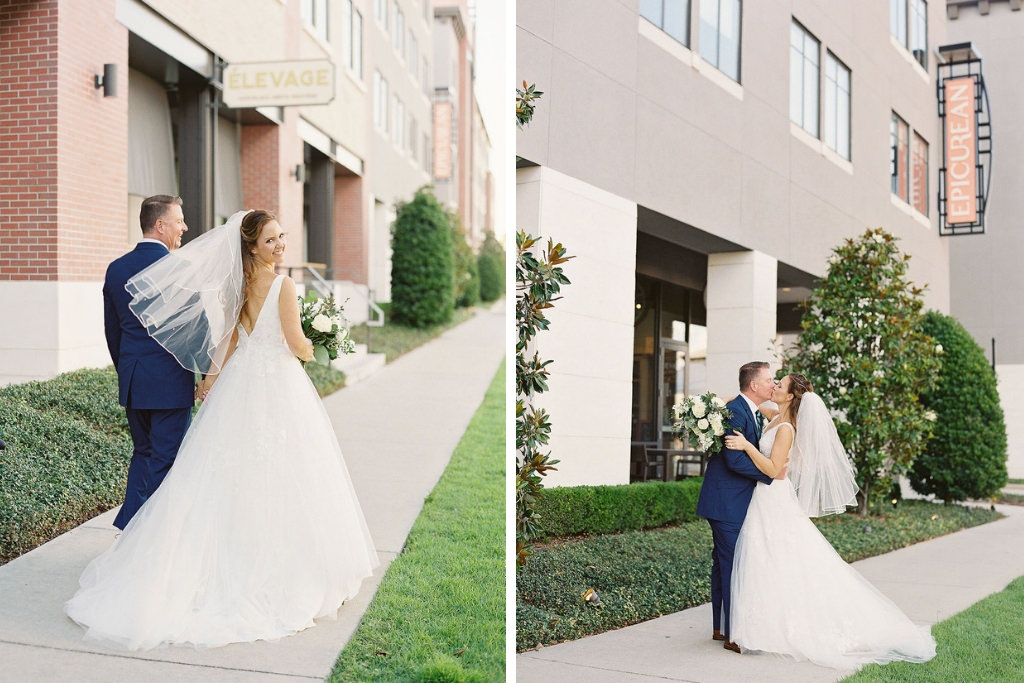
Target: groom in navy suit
(728,486)
(156,391)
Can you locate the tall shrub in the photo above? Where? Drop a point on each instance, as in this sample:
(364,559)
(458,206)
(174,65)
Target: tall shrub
(491,265)
(967,456)
(465,273)
(864,351)
(421,263)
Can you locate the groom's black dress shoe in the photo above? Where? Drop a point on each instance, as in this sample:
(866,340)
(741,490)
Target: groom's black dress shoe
(729,645)
(717,635)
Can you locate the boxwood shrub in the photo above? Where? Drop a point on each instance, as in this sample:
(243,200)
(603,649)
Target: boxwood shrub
(422,276)
(571,510)
(966,456)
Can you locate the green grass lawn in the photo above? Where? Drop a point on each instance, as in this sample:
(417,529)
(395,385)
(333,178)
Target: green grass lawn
(983,643)
(394,339)
(640,575)
(439,614)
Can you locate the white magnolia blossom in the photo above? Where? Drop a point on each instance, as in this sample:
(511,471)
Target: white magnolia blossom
(938,348)
(699,410)
(322,323)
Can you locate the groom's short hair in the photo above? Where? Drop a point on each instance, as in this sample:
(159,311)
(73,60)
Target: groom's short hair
(749,372)
(154,208)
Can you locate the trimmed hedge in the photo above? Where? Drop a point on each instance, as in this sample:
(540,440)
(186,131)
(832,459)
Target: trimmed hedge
(89,394)
(491,264)
(574,510)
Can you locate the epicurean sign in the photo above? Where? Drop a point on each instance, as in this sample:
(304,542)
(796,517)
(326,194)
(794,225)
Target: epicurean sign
(961,158)
(279,84)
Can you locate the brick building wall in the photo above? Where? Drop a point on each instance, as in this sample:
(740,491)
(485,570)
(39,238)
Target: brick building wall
(92,141)
(350,235)
(28,140)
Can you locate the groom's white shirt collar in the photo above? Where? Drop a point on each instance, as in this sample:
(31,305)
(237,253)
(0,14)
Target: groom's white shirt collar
(753,407)
(150,239)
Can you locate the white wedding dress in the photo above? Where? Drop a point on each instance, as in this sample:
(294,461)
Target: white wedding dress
(255,532)
(792,594)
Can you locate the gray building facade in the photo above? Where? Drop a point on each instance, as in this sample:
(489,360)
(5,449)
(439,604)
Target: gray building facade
(701,159)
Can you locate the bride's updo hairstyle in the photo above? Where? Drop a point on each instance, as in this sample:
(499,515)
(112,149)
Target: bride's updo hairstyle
(252,226)
(798,386)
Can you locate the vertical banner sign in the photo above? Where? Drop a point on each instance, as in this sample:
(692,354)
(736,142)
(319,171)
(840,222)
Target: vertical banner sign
(965,173)
(961,152)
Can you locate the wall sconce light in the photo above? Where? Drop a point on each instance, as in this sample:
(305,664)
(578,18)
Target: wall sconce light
(299,173)
(108,81)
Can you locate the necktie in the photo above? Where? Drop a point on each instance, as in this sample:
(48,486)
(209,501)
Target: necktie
(760,422)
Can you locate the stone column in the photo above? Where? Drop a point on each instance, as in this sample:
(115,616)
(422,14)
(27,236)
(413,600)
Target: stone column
(741,299)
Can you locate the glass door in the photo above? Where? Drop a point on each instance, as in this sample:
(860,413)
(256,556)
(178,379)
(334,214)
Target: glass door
(673,373)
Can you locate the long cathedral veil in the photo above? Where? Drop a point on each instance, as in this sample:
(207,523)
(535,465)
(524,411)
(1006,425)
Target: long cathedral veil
(819,469)
(189,300)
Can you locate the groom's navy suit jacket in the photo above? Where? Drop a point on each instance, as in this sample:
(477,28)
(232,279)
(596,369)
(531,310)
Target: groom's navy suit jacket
(149,378)
(730,476)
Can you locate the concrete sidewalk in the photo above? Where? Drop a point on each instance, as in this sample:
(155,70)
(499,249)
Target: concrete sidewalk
(397,430)
(930,582)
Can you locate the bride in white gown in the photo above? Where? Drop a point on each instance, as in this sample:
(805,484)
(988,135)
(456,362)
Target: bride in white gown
(256,531)
(792,594)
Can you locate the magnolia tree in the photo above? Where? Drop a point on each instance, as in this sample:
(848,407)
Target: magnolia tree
(863,349)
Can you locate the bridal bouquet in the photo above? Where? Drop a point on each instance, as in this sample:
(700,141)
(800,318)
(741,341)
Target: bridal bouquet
(703,419)
(324,324)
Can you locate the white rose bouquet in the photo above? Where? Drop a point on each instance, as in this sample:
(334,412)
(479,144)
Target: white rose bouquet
(703,419)
(324,324)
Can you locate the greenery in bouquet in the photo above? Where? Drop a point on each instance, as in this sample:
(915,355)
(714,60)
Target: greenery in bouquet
(703,420)
(324,324)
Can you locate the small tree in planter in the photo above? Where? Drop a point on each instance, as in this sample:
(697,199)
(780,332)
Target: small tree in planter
(967,456)
(864,351)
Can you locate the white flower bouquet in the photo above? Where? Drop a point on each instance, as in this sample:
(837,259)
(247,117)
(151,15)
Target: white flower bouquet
(703,419)
(324,324)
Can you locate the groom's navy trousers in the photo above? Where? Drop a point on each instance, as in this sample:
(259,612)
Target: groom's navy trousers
(155,390)
(729,481)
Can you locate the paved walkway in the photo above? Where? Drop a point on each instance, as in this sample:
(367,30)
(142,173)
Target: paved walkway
(397,429)
(930,582)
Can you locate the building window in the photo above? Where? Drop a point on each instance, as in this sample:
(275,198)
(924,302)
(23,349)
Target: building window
(671,16)
(919,31)
(398,34)
(837,106)
(803,78)
(908,24)
(314,15)
(414,56)
(899,134)
(919,174)
(352,26)
(380,102)
(398,125)
(380,10)
(720,35)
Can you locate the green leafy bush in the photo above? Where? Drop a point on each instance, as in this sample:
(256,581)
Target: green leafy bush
(966,458)
(421,263)
(56,472)
(862,348)
(569,510)
(465,273)
(491,265)
(326,379)
(89,394)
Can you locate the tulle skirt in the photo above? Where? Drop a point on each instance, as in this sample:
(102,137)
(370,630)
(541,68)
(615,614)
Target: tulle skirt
(793,595)
(254,533)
